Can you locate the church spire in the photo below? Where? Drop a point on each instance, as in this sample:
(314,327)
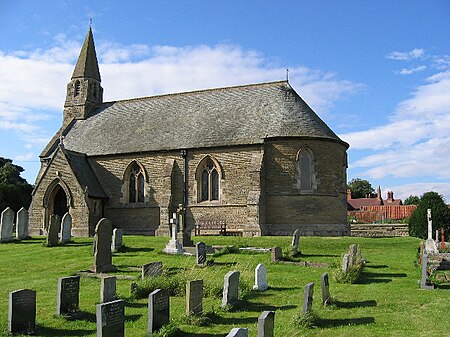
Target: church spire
(87,65)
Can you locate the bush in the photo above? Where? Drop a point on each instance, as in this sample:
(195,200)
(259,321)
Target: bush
(174,284)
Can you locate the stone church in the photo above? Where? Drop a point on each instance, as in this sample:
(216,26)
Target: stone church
(255,158)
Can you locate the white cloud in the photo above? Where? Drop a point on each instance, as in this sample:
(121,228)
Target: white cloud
(407,56)
(404,191)
(409,71)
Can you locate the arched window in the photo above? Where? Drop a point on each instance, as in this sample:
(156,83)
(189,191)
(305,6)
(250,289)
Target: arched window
(305,167)
(134,183)
(77,87)
(208,177)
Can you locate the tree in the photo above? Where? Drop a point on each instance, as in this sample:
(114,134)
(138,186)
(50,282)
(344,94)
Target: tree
(360,188)
(412,200)
(440,214)
(15,191)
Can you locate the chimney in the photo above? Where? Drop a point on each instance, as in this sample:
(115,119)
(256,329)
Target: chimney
(349,194)
(379,193)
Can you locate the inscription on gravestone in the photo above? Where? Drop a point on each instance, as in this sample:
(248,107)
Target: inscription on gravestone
(194,297)
(6,225)
(22,224)
(308,298)
(68,297)
(230,288)
(152,269)
(266,324)
(22,311)
(158,310)
(108,289)
(111,319)
(200,253)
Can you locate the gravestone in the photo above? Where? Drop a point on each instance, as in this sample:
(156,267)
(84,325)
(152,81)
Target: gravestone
(183,234)
(22,224)
(430,245)
(53,230)
(66,228)
(103,255)
(238,332)
(230,288)
(22,311)
(352,255)
(308,298)
(277,254)
(6,225)
(266,323)
(173,246)
(117,240)
(200,253)
(326,298)
(111,319)
(345,263)
(194,297)
(423,283)
(158,310)
(152,269)
(68,296)
(295,241)
(108,289)
(260,278)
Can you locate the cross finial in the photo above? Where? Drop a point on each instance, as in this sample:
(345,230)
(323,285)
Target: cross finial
(90,22)
(287,74)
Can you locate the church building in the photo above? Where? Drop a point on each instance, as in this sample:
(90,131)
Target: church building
(254,158)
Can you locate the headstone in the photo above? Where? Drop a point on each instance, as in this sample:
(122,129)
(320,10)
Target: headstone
(277,254)
(238,332)
(152,269)
(117,240)
(308,298)
(158,310)
(53,230)
(173,246)
(260,278)
(108,289)
(194,297)
(66,228)
(352,255)
(111,319)
(22,224)
(423,283)
(430,245)
(94,243)
(266,324)
(326,298)
(6,225)
(183,234)
(295,241)
(200,253)
(68,296)
(230,288)
(22,311)
(102,255)
(430,224)
(345,263)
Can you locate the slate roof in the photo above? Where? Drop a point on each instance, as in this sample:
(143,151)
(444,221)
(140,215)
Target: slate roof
(228,116)
(87,65)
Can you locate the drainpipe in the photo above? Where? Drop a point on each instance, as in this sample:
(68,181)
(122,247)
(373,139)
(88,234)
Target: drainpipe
(185,189)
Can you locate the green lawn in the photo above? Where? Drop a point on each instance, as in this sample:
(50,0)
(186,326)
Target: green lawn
(386,302)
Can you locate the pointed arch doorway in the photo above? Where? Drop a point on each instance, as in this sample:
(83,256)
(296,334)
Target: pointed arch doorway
(56,202)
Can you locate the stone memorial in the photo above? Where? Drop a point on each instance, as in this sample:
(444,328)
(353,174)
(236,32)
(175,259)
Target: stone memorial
(152,269)
(22,224)
(194,297)
(22,312)
(326,298)
(107,289)
(66,228)
(117,240)
(238,332)
(6,225)
(158,310)
(352,255)
(430,245)
(277,254)
(200,253)
(103,255)
(308,298)
(111,319)
(260,278)
(183,234)
(53,230)
(345,263)
(230,289)
(68,296)
(295,241)
(266,322)
(423,283)
(173,246)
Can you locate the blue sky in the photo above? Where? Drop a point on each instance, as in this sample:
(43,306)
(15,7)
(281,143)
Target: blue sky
(377,72)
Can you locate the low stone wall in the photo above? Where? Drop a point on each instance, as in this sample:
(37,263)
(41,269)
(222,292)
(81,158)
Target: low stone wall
(379,230)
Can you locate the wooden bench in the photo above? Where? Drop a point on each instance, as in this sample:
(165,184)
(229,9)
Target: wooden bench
(205,227)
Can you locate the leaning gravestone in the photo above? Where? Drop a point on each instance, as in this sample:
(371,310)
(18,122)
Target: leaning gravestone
(6,225)
(277,254)
(22,311)
(260,278)
(308,298)
(295,241)
(194,297)
(266,324)
(53,230)
(326,298)
(68,297)
(238,332)
(345,263)
(103,255)
(108,289)
(352,255)
(200,253)
(111,319)
(22,224)
(158,310)
(66,228)
(152,269)
(117,240)
(230,288)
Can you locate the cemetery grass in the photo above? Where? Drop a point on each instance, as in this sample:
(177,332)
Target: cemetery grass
(386,301)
